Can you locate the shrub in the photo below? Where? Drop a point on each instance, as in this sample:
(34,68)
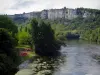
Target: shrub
(8,56)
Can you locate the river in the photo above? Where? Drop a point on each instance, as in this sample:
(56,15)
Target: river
(76,59)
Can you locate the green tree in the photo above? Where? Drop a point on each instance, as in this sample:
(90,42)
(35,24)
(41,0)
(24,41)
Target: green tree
(8,55)
(7,23)
(24,38)
(43,38)
(6,42)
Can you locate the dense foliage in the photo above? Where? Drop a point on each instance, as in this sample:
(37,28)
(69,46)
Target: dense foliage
(7,23)
(8,55)
(24,38)
(43,38)
(60,31)
(92,35)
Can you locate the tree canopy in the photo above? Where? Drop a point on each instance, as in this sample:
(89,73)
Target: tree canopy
(8,56)
(43,38)
(7,23)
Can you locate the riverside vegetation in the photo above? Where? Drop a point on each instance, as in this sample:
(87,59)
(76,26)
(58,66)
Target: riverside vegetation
(40,37)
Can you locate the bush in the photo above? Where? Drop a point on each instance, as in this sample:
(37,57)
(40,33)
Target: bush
(8,56)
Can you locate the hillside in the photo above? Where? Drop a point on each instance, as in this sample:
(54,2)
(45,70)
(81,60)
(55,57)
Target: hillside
(67,22)
(64,14)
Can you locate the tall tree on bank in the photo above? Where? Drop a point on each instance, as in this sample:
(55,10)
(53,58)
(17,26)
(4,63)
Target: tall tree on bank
(43,38)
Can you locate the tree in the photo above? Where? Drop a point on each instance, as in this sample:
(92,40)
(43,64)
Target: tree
(7,43)
(24,38)
(35,30)
(8,56)
(7,23)
(43,38)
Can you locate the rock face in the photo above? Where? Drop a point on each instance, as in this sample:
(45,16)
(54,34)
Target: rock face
(53,14)
(44,14)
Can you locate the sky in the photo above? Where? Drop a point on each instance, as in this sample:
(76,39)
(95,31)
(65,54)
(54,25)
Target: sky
(20,6)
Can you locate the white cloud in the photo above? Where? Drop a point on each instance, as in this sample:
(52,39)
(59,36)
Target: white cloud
(20,6)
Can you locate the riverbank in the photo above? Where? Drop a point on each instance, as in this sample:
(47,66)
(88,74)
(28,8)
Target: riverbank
(40,65)
(76,59)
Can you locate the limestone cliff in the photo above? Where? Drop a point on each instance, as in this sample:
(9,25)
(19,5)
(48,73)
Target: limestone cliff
(53,14)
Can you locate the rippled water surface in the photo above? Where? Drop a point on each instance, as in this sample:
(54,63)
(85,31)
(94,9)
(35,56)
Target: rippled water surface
(76,59)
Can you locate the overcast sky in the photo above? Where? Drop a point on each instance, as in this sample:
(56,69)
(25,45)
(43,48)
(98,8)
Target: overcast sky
(20,6)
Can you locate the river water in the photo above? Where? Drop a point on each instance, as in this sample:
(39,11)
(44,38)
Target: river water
(76,59)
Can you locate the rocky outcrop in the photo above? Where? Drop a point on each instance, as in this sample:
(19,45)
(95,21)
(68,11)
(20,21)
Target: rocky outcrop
(44,14)
(53,14)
